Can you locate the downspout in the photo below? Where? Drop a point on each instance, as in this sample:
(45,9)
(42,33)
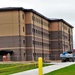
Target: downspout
(64,38)
(69,39)
(72,39)
(58,35)
(34,37)
(19,35)
(58,41)
(42,40)
(49,40)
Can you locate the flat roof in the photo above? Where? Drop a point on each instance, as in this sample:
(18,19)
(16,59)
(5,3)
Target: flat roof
(31,10)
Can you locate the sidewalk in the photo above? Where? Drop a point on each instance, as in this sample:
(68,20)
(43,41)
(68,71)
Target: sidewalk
(46,69)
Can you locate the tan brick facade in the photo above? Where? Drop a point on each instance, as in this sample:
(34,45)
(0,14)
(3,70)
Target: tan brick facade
(31,35)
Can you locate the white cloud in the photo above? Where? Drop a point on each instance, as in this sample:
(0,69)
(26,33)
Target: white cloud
(13,3)
(64,9)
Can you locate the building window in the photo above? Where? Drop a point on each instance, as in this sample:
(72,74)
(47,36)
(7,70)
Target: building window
(38,21)
(65,27)
(23,41)
(41,21)
(49,35)
(36,31)
(33,42)
(23,16)
(33,18)
(24,54)
(23,29)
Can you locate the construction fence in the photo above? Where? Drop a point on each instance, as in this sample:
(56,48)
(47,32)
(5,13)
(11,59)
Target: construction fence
(29,58)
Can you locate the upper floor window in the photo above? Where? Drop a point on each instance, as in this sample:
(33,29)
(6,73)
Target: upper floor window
(45,24)
(23,41)
(33,18)
(38,20)
(22,16)
(23,29)
(65,27)
(41,21)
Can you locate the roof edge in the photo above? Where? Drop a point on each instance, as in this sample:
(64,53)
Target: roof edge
(55,20)
(31,10)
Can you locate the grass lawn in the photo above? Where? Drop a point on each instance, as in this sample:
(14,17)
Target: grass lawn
(6,69)
(70,70)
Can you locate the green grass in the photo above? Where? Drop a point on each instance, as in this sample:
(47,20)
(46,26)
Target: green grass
(7,65)
(70,70)
(6,69)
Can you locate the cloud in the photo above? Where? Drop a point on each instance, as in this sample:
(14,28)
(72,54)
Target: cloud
(64,9)
(13,3)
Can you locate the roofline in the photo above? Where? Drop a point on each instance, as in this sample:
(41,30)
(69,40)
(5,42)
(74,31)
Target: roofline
(31,10)
(21,8)
(57,20)
(11,8)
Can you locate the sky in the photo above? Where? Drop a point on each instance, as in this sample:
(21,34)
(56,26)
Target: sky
(61,9)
